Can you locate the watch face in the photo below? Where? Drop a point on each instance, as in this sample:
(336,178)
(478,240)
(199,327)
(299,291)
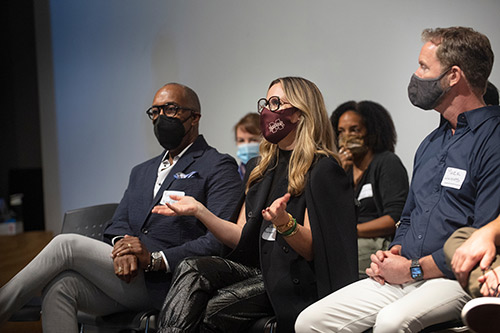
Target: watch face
(156,255)
(416,272)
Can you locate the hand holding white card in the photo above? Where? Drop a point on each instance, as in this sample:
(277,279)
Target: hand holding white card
(166,196)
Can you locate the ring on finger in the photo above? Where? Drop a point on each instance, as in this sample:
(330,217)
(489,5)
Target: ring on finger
(120,269)
(129,245)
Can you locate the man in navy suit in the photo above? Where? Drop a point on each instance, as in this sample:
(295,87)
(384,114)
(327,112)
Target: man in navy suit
(132,269)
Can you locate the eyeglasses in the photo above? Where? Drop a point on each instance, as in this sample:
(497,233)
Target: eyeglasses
(169,110)
(273,104)
(492,290)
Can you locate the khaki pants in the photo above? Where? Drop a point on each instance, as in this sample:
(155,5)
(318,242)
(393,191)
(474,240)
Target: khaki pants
(452,244)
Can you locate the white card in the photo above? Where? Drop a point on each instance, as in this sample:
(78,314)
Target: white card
(269,234)
(453,178)
(366,192)
(166,196)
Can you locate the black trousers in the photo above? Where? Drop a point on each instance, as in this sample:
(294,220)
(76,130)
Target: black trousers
(212,294)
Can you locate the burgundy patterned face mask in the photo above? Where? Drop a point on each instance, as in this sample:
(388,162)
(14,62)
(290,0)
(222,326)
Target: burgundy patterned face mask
(276,125)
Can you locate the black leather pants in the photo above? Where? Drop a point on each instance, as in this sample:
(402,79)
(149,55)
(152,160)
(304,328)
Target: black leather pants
(212,294)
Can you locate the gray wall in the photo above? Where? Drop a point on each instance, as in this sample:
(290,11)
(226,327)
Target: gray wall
(100,63)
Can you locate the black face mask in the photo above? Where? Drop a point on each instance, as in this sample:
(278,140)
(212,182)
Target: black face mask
(169,131)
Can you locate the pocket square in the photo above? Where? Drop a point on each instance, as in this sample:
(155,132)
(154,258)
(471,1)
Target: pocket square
(181,175)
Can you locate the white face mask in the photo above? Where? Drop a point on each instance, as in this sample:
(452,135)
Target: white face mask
(247,151)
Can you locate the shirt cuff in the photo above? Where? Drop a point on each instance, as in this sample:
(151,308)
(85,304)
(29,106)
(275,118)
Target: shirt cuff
(167,266)
(440,261)
(115,239)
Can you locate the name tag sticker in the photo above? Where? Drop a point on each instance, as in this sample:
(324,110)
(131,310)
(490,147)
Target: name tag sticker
(366,192)
(269,234)
(453,178)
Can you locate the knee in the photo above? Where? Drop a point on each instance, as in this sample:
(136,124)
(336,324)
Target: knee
(309,318)
(188,265)
(458,237)
(63,240)
(455,241)
(198,265)
(188,271)
(388,321)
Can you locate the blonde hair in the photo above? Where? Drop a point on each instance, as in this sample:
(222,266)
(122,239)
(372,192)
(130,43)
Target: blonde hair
(314,134)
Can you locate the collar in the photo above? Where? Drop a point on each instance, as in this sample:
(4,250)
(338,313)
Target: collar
(473,118)
(164,159)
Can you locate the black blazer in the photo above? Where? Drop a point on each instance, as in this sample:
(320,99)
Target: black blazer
(291,282)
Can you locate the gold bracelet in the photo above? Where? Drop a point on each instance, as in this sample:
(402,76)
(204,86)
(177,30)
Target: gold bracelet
(293,232)
(287,226)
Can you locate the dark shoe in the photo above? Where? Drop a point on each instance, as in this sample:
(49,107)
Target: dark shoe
(482,314)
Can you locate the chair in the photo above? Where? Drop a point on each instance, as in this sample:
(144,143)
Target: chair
(264,325)
(90,222)
(448,326)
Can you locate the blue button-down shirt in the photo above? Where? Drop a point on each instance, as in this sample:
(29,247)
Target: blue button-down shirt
(455,183)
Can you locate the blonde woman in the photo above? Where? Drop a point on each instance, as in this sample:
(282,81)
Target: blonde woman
(294,240)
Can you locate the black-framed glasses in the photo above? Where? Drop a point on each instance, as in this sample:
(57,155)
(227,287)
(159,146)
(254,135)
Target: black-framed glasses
(273,104)
(169,110)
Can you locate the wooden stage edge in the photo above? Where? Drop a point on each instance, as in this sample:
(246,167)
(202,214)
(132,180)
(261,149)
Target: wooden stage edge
(16,251)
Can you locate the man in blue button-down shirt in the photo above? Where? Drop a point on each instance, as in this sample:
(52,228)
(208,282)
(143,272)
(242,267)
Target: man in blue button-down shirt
(455,183)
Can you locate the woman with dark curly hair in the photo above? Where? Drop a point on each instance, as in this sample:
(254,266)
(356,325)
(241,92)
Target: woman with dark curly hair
(366,138)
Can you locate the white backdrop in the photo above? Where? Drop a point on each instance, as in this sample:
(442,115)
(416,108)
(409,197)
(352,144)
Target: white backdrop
(101,61)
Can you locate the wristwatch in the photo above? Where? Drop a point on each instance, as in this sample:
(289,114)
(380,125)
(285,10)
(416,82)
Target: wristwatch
(416,272)
(155,262)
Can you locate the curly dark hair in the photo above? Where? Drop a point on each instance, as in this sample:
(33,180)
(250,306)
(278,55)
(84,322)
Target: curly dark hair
(380,131)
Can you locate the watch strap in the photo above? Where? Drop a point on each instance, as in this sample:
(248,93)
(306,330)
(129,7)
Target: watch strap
(154,262)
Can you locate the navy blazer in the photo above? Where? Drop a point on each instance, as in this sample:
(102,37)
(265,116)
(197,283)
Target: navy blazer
(215,183)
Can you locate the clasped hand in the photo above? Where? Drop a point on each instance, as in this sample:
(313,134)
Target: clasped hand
(129,254)
(389,266)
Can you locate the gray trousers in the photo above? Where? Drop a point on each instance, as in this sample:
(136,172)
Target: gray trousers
(75,273)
